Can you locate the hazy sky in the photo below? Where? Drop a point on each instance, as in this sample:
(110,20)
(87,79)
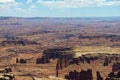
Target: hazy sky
(60,8)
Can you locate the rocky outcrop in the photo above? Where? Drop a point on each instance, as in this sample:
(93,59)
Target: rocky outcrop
(22,61)
(11,40)
(111,37)
(42,60)
(99,76)
(6,74)
(116,67)
(106,62)
(82,75)
(19,42)
(55,53)
(113,76)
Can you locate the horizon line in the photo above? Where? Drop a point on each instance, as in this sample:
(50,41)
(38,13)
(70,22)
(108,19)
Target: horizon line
(59,17)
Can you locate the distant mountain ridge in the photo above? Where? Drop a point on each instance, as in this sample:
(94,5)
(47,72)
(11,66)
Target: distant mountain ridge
(33,24)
